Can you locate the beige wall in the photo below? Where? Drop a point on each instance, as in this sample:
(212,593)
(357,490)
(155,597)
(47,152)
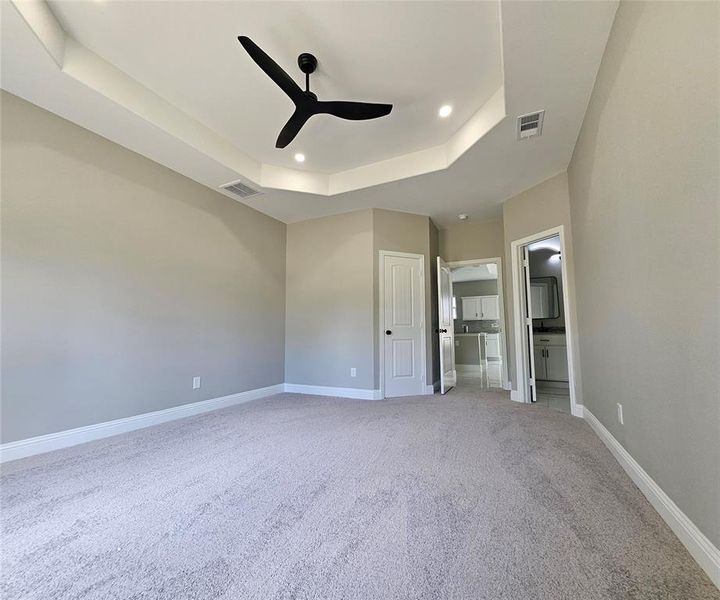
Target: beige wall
(330,301)
(121,280)
(645,199)
(333,303)
(540,208)
(469,240)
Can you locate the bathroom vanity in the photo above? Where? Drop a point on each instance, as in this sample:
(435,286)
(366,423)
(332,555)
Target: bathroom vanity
(550,352)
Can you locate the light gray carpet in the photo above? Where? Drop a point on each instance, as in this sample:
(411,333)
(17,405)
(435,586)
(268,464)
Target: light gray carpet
(467,496)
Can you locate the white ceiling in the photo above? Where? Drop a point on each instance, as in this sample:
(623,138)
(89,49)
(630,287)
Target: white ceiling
(195,61)
(197,104)
(474,273)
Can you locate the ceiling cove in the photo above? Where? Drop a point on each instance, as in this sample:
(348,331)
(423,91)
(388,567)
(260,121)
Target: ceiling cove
(89,68)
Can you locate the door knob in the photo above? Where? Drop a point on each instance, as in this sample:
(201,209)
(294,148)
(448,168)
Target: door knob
(443,331)
(388,332)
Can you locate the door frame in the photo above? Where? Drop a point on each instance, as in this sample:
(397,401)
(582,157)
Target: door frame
(381,316)
(501,301)
(519,327)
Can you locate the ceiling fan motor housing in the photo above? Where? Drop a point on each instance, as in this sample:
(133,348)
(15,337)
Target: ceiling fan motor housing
(307,63)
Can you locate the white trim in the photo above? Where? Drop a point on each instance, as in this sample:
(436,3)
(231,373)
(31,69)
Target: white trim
(701,548)
(339,392)
(429,390)
(80,435)
(519,328)
(381,316)
(516,396)
(501,301)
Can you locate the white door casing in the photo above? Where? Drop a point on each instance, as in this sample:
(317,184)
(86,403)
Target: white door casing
(446,327)
(403,330)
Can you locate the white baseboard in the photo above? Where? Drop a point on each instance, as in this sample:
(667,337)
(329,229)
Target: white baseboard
(578,411)
(324,390)
(701,548)
(515,396)
(80,435)
(507,386)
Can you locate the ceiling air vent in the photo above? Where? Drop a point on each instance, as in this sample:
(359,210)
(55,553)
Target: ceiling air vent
(240,189)
(530,125)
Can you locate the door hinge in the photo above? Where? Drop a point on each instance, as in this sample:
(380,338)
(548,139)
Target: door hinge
(528,322)
(526,263)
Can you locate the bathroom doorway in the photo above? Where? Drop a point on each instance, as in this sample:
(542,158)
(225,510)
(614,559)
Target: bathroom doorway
(542,322)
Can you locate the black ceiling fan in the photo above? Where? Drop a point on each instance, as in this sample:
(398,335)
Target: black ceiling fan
(306,103)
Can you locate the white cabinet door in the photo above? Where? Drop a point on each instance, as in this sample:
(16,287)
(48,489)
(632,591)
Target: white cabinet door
(556,363)
(492,345)
(489,308)
(470,308)
(539,354)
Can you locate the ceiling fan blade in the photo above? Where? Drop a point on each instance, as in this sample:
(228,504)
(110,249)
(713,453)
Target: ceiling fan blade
(292,127)
(272,69)
(354,111)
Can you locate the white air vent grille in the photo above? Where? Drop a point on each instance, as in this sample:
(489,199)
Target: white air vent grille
(240,189)
(530,125)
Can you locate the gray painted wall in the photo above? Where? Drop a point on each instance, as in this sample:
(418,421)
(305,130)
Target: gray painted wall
(470,240)
(542,207)
(645,193)
(121,280)
(330,300)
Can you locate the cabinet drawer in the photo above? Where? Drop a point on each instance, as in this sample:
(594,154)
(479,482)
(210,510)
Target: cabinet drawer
(549,339)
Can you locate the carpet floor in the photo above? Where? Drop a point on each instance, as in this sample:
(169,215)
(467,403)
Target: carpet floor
(467,496)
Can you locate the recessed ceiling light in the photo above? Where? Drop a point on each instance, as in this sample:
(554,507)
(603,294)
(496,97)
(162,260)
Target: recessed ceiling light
(445,111)
(300,157)
(463,217)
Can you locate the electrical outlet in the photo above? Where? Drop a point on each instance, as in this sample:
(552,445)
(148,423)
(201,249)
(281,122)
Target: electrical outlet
(196,383)
(353,372)
(620,414)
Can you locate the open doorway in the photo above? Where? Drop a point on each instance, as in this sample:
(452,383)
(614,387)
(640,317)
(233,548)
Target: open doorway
(542,336)
(476,339)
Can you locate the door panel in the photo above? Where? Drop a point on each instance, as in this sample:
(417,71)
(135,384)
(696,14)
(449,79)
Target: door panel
(403,358)
(446,327)
(403,325)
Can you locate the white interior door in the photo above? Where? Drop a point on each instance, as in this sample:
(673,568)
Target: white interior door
(403,325)
(446,327)
(528,312)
